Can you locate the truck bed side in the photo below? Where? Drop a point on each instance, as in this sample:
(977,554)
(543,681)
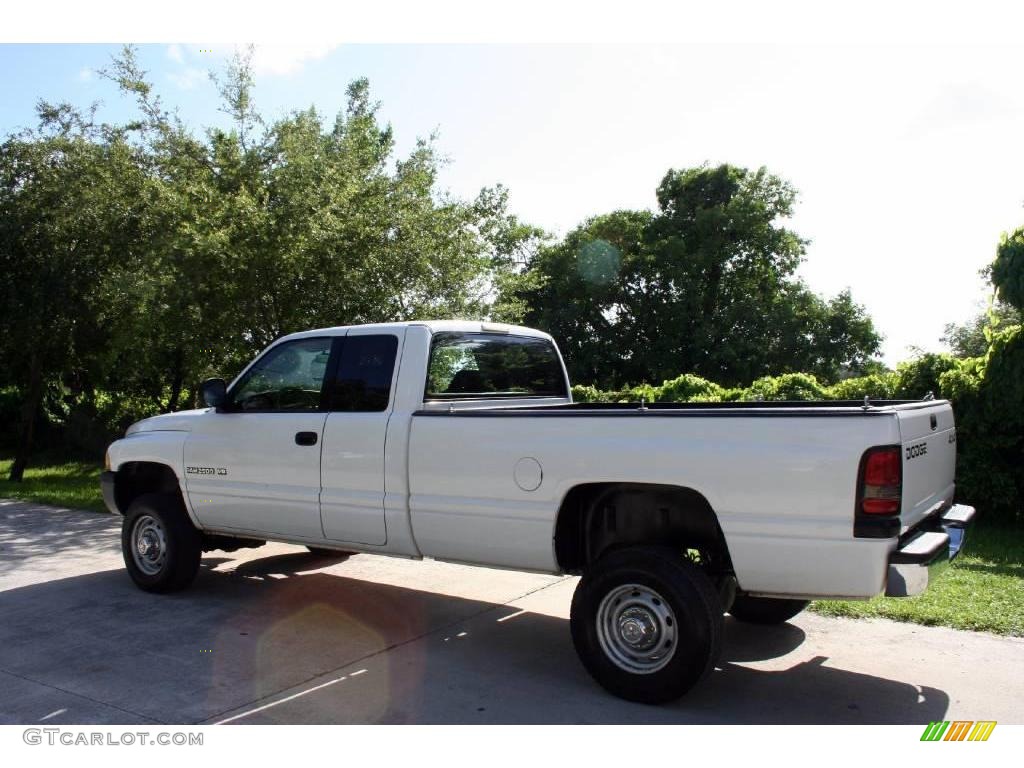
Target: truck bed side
(781,483)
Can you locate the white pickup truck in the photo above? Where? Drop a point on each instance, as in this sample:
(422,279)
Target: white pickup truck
(459,441)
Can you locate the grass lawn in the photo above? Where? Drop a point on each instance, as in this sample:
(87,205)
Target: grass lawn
(72,484)
(983,589)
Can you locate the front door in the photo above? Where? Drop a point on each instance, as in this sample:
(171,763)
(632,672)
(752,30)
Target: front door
(255,466)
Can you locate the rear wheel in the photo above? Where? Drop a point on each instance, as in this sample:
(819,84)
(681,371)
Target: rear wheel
(160,546)
(646,623)
(765,610)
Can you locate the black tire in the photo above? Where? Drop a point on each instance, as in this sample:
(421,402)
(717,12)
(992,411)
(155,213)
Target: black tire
(694,634)
(159,514)
(765,610)
(323,552)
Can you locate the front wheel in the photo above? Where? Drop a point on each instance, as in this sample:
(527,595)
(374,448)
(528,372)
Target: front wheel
(765,610)
(161,547)
(646,623)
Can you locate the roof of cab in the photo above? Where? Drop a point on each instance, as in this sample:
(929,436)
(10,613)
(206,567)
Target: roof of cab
(435,326)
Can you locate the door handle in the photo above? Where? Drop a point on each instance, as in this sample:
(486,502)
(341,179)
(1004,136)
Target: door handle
(305,438)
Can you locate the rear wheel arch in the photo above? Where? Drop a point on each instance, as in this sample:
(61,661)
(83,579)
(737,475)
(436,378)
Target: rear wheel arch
(595,518)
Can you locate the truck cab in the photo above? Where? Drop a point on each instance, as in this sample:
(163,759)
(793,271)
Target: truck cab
(296,447)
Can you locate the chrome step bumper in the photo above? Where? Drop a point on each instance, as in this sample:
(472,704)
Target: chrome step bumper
(920,559)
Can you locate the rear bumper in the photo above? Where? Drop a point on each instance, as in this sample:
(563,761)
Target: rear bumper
(107,488)
(924,553)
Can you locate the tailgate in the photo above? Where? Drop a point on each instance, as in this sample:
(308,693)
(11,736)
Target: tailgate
(928,438)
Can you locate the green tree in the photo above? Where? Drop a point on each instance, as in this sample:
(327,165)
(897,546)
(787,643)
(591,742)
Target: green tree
(1008,269)
(141,257)
(71,201)
(268,227)
(971,339)
(705,285)
(988,394)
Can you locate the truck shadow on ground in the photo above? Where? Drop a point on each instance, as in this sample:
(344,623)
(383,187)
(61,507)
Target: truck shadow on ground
(278,640)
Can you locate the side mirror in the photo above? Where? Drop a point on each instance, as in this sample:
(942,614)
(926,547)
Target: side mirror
(214,392)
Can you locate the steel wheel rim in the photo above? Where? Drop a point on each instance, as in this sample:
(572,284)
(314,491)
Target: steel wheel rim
(149,545)
(636,629)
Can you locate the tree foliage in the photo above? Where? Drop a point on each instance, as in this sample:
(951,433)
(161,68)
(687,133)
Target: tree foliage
(988,392)
(971,339)
(139,257)
(705,285)
(1008,269)
(71,220)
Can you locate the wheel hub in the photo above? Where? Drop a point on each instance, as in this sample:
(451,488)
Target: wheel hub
(636,629)
(150,545)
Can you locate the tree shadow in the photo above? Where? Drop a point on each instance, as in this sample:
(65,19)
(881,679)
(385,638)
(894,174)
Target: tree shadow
(274,627)
(29,530)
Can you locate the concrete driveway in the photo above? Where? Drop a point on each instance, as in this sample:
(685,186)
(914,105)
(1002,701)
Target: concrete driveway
(278,635)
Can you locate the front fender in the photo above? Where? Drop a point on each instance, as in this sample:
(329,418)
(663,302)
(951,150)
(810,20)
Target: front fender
(165,447)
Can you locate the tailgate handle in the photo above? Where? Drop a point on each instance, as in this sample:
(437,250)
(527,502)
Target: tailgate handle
(934,421)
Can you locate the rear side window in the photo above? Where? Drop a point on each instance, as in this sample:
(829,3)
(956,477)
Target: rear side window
(492,365)
(363,381)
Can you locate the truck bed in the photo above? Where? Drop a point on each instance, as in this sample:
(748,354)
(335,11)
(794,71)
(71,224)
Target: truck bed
(486,480)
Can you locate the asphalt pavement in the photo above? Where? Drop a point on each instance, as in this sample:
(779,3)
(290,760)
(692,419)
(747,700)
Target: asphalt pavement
(279,635)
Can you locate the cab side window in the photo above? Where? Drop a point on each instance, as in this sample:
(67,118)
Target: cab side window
(290,377)
(365,370)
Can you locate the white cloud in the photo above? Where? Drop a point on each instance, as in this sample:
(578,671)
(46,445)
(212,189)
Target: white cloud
(85,75)
(286,59)
(188,78)
(961,104)
(175,53)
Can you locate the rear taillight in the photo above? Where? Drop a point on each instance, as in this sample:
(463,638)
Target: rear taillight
(881,481)
(879,488)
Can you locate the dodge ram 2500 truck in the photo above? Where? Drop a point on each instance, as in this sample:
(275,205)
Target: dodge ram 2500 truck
(459,441)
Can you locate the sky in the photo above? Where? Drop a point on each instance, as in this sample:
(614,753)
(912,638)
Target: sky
(907,158)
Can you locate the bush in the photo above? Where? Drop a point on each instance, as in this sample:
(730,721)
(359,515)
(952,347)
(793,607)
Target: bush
(876,386)
(916,378)
(585,393)
(689,388)
(789,386)
(988,396)
(682,389)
